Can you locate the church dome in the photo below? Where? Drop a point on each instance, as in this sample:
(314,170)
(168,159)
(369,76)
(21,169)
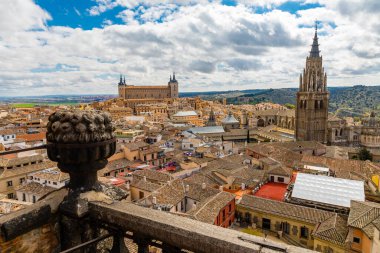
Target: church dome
(230,119)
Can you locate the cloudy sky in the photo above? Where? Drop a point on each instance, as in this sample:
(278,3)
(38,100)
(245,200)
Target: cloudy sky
(81,47)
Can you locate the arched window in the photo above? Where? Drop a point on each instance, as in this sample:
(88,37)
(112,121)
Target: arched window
(321,104)
(316,104)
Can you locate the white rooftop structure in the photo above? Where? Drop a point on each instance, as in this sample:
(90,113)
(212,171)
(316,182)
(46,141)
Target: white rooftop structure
(185,113)
(206,130)
(318,168)
(140,119)
(328,190)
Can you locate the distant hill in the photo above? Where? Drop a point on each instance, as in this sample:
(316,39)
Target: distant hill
(345,101)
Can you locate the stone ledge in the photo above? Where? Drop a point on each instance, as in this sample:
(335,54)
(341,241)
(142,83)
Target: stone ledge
(31,217)
(182,232)
(21,222)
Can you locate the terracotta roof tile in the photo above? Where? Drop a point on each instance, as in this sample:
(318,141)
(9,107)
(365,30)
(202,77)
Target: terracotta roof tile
(296,212)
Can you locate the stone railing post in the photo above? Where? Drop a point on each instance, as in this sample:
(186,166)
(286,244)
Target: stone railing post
(80,142)
(142,243)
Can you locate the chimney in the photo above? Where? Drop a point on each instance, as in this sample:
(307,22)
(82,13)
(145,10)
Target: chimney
(203,186)
(144,178)
(154,201)
(187,188)
(221,188)
(243,186)
(128,186)
(169,182)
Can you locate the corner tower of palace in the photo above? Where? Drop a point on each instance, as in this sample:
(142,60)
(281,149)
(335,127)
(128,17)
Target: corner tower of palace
(312,98)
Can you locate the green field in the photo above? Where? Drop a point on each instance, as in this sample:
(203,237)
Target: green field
(31,105)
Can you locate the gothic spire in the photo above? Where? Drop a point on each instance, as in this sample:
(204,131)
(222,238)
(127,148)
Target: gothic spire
(174,77)
(170,78)
(121,80)
(124,80)
(315,47)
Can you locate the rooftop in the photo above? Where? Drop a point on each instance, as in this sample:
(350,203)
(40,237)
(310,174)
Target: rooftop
(209,209)
(35,189)
(53,174)
(296,212)
(328,190)
(206,130)
(185,113)
(272,190)
(365,216)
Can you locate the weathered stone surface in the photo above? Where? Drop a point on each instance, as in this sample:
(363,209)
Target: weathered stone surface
(26,220)
(34,241)
(31,217)
(81,142)
(181,232)
(79,127)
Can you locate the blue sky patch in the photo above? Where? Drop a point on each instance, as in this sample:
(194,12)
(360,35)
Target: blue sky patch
(57,68)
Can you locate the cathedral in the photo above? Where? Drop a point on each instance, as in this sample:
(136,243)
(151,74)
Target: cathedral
(312,98)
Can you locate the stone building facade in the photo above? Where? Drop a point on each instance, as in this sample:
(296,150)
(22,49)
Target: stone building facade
(312,99)
(370,134)
(346,132)
(148,92)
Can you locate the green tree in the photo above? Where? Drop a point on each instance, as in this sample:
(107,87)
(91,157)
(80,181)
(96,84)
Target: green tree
(289,106)
(364,154)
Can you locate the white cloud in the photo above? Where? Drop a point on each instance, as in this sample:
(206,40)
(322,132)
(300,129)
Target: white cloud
(210,46)
(19,15)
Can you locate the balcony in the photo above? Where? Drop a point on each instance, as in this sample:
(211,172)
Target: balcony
(122,220)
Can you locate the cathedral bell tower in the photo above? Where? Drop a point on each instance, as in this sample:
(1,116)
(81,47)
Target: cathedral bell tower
(312,98)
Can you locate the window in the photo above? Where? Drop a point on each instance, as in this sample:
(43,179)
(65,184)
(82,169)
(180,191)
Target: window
(141,195)
(10,195)
(280,179)
(34,199)
(285,227)
(356,240)
(266,224)
(22,180)
(304,232)
(23,197)
(54,183)
(9,183)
